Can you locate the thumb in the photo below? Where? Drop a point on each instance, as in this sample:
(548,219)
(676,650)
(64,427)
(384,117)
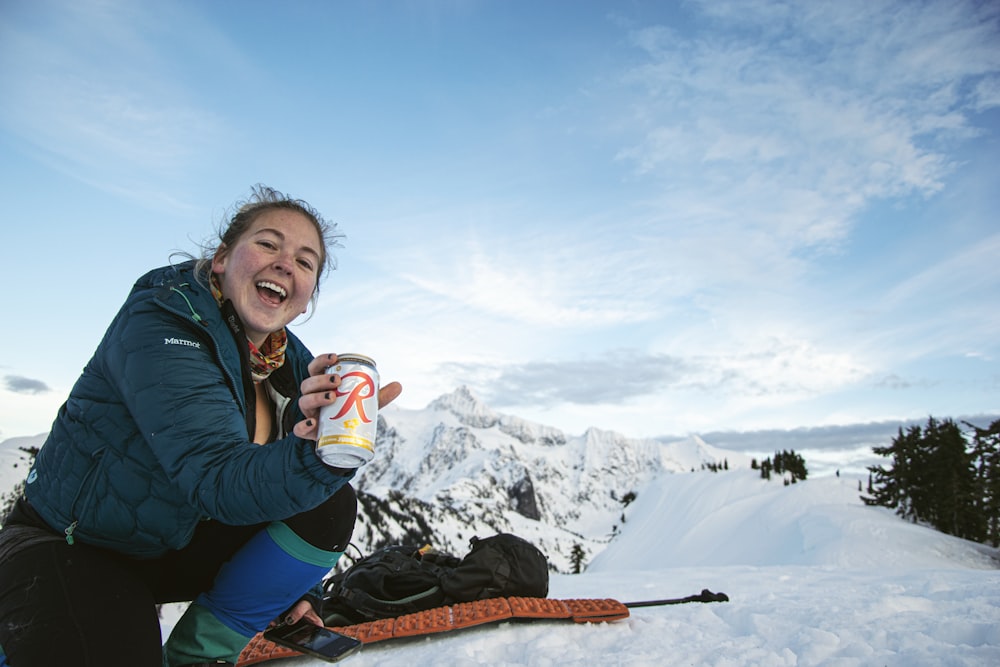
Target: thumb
(388,393)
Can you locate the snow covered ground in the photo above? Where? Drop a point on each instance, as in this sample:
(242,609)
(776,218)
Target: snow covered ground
(814,578)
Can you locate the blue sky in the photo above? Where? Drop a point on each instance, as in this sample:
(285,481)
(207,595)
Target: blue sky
(650,217)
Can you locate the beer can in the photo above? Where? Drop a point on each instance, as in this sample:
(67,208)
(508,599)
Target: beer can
(347,426)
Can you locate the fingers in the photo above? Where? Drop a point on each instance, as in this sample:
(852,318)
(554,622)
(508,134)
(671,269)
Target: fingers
(302,609)
(313,617)
(319,364)
(320,389)
(307,429)
(317,391)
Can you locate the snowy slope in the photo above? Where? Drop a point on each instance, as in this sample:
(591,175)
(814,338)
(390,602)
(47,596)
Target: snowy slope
(814,577)
(14,463)
(737,518)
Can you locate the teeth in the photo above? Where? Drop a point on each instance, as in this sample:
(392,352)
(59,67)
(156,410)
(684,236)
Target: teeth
(274,288)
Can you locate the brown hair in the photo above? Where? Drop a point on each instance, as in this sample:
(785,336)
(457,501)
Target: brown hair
(262,199)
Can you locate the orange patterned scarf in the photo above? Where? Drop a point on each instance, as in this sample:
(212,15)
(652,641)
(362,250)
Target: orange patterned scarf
(271,355)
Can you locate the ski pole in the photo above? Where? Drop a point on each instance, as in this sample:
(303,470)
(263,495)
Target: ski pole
(705,596)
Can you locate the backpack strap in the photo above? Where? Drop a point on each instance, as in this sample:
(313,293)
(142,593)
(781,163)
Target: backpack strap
(390,582)
(372,607)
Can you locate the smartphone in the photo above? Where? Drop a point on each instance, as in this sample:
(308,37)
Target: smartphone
(313,640)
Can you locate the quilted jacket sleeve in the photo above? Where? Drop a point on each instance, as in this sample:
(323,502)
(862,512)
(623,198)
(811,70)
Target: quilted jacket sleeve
(190,415)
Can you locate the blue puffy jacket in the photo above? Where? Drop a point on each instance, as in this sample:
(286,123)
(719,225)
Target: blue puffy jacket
(154,435)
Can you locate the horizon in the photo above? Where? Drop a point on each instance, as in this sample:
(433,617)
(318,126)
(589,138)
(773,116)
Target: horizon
(648,218)
(829,450)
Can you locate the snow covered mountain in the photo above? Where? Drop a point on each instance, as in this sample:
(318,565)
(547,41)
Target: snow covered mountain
(16,455)
(814,576)
(457,469)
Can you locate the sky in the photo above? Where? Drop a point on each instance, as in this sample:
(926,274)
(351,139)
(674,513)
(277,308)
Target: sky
(648,217)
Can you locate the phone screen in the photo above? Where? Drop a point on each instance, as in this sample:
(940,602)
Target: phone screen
(314,640)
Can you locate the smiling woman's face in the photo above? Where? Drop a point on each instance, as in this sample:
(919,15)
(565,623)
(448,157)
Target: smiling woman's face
(271,272)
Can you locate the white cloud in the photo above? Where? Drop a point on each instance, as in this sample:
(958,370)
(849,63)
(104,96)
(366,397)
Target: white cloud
(701,196)
(986,94)
(793,119)
(546,280)
(930,309)
(778,371)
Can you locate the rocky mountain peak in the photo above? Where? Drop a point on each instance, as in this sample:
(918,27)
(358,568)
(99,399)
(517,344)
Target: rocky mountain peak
(458,469)
(467,407)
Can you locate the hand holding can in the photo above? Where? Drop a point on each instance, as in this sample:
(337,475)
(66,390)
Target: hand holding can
(346,437)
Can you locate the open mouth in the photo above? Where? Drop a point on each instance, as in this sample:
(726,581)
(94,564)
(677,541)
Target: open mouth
(271,292)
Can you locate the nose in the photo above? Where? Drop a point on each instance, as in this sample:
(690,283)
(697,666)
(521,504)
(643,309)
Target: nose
(283,263)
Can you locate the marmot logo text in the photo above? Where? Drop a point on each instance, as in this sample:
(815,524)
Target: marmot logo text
(181,341)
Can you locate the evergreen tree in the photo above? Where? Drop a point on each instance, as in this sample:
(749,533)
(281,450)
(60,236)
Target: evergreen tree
(951,479)
(986,457)
(936,478)
(884,489)
(785,462)
(576,558)
(797,466)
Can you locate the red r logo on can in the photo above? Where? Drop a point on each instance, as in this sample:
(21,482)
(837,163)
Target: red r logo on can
(365,388)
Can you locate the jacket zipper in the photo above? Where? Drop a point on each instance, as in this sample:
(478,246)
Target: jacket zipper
(95,462)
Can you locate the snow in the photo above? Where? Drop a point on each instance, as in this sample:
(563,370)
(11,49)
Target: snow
(814,578)
(468,464)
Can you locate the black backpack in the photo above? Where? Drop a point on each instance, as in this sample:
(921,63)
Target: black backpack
(400,580)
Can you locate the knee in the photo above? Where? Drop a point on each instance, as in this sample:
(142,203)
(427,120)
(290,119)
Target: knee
(330,524)
(344,502)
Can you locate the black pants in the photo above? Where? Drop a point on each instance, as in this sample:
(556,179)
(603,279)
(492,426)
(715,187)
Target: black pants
(85,606)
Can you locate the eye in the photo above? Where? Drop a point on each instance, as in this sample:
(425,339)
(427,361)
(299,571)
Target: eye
(270,245)
(305,264)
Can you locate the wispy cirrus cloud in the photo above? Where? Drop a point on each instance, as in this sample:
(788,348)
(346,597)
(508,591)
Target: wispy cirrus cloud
(786,370)
(545,281)
(752,147)
(793,119)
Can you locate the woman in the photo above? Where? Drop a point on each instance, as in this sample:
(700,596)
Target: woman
(153,485)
